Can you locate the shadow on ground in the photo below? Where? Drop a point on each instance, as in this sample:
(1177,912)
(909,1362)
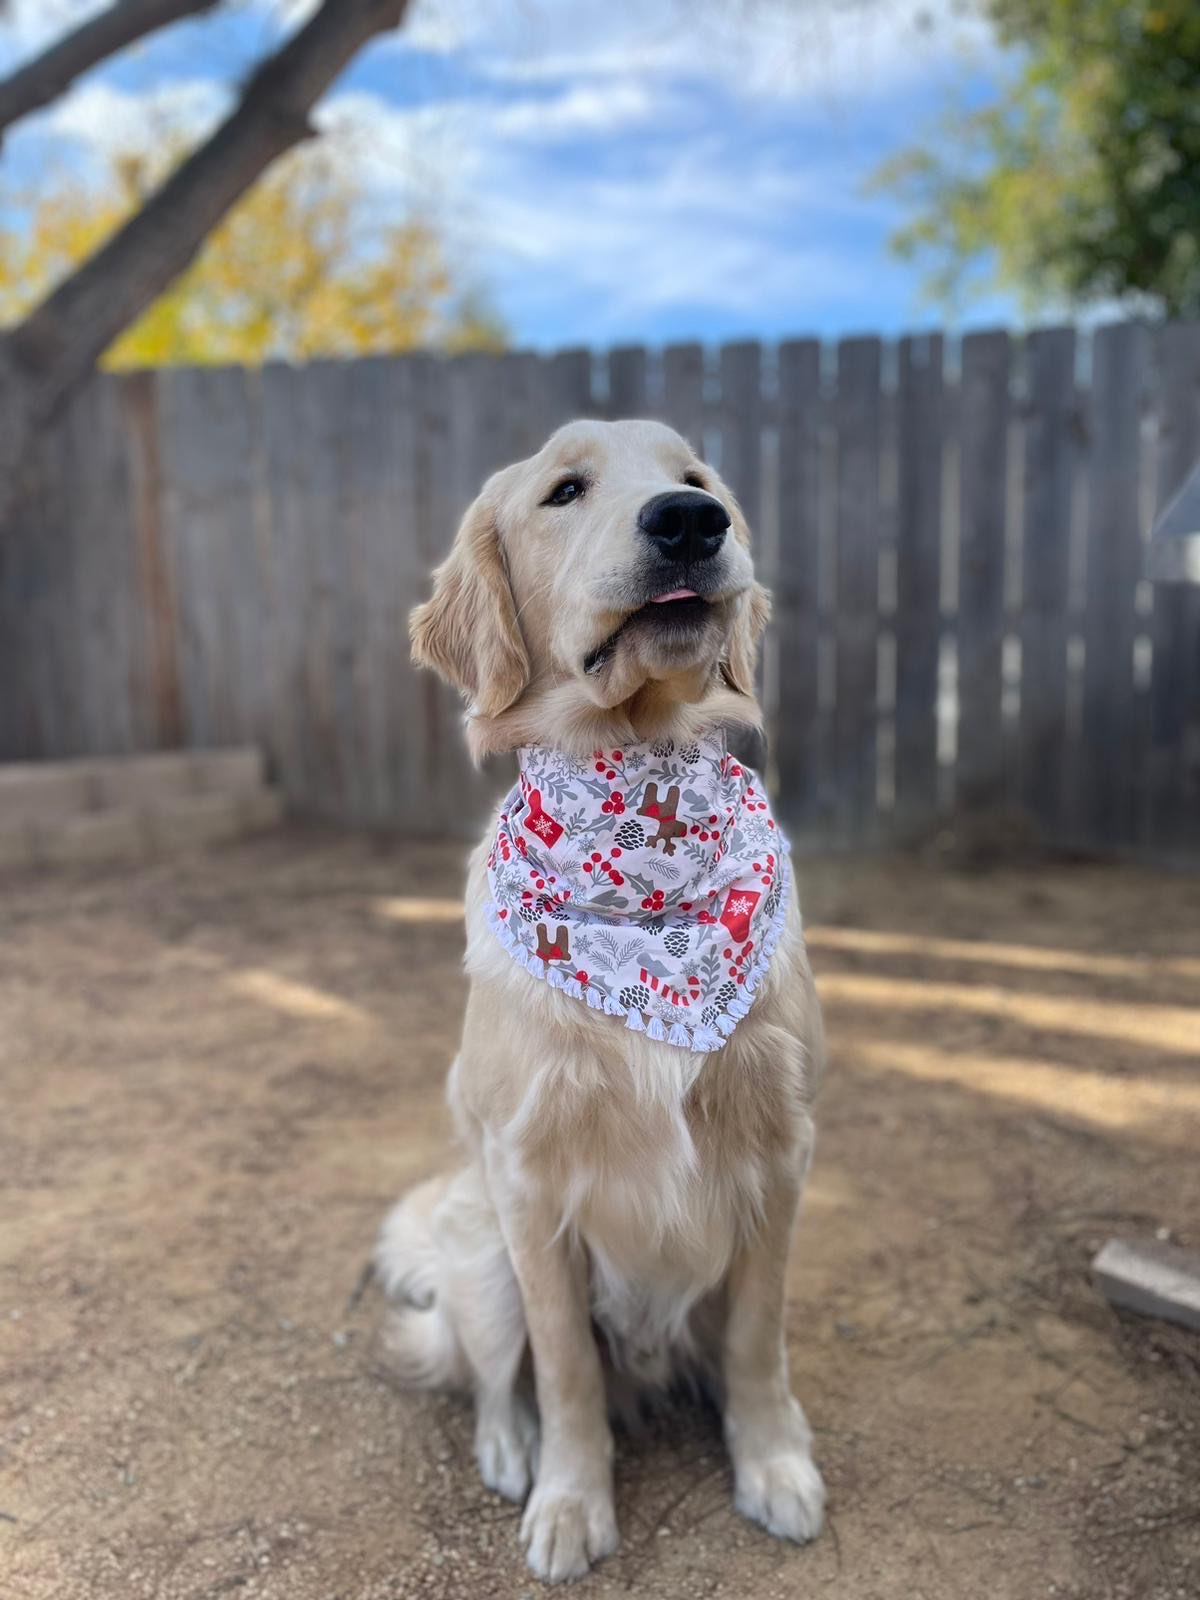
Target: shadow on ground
(218,1072)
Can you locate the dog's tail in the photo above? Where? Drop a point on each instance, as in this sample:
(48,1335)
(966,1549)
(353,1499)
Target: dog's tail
(420,1342)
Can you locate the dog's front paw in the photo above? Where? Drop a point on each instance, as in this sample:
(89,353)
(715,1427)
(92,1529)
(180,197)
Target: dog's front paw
(506,1445)
(564,1530)
(782,1492)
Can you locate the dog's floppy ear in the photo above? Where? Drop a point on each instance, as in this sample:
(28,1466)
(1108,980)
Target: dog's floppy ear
(741,653)
(468,631)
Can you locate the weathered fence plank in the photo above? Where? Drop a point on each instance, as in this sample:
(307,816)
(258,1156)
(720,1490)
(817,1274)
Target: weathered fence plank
(199,422)
(855,730)
(801,737)
(918,577)
(567,391)
(983,495)
(627,382)
(1108,768)
(683,392)
(1051,450)
(741,426)
(472,449)
(1174,764)
(156,691)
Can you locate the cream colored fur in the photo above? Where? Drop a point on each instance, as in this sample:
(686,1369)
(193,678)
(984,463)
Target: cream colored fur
(608,1180)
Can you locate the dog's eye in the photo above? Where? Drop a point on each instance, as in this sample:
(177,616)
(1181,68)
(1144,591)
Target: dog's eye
(693,480)
(569,489)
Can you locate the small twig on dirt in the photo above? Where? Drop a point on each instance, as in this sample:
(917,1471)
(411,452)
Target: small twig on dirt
(973,1527)
(7,1516)
(837,1542)
(1143,1527)
(960,1338)
(365,1279)
(1078,1422)
(648,1543)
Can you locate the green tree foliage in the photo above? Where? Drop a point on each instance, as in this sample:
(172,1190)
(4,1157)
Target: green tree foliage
(1079,179)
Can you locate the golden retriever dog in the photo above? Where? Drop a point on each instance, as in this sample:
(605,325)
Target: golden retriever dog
(624,1212)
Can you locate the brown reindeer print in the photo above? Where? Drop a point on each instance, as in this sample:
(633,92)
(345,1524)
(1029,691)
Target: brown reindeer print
(666,814)
(560,950)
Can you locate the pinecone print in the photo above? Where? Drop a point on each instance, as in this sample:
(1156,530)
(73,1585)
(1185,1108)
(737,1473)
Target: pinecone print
(689,753)
(654,924)
(676,942)
(636,997)
(528,912)
(726,993)
(630,835)
(771,903)
(709,1015)
(663,748)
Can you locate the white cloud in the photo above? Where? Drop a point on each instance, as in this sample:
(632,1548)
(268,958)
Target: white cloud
(781,48)
(30,25)
(698,224)
(637,155)
(103,118)
(587,109)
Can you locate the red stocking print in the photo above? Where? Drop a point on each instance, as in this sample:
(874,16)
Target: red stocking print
(739,908)
(541,822)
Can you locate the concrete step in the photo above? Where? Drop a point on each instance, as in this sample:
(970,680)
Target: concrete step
(45,789)
(125,809)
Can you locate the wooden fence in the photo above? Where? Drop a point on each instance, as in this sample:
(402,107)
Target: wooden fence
(954,531)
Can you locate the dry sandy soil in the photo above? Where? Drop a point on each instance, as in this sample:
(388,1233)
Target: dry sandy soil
(216,1074)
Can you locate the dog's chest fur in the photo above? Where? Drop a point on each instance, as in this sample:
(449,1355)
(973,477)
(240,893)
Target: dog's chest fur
(656,1159)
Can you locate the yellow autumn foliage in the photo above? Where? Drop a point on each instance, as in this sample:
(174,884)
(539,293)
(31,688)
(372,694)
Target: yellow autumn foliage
(299,269)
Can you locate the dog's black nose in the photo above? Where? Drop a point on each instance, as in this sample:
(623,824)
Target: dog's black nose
(684,524)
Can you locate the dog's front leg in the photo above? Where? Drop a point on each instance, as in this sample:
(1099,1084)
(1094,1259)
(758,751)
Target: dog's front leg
(775,1481)
(569,1520)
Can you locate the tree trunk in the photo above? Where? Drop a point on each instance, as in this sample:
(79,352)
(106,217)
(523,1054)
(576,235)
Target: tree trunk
(44,358)
(53,72)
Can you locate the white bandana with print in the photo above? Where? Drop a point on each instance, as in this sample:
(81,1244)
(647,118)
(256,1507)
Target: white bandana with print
(648,882)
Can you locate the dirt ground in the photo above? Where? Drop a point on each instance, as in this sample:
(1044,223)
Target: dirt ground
(215,1074)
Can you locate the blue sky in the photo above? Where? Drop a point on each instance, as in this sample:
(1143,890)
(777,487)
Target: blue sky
(609,171)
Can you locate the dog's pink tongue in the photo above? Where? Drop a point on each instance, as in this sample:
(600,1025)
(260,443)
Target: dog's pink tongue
(674,594)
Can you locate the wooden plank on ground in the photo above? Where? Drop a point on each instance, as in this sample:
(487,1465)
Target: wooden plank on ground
(1109,766)
(1051,435)
(1150,1277)
(800,743)
(1174,764)
(981,765)
(918,577)
(857,413)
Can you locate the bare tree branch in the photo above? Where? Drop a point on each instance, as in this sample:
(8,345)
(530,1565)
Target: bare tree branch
(44,358)
(46,77)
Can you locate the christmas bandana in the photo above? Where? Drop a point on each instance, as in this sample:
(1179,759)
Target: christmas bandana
(648,882)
